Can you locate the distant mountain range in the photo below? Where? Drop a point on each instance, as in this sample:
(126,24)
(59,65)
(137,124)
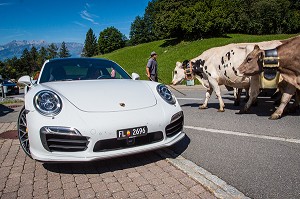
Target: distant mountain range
(16,48)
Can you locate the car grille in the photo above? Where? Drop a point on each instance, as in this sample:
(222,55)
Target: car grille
(55,142)
(114,144)
(176,124)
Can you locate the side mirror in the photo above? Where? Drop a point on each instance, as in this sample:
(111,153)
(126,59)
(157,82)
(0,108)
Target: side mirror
(27,80)
(135,76)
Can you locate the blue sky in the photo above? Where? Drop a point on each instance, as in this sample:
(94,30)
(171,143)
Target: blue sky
(65,20)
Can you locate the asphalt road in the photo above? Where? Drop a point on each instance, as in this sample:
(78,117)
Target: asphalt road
(258,156)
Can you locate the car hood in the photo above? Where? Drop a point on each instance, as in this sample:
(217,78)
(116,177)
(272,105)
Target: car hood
(105,95)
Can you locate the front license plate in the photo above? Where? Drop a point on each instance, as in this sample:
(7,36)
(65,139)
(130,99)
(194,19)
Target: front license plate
(132,132)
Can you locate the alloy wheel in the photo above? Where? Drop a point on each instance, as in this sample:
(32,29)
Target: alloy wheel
(23,132)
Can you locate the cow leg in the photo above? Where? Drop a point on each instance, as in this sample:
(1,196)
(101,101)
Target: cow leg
(253,93)
(288,92)
(217,89)
(237,96)
(295,106)
(207,96)
(247,95)
(218,93)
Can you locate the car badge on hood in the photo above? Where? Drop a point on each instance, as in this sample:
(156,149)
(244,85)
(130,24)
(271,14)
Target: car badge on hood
(122,104)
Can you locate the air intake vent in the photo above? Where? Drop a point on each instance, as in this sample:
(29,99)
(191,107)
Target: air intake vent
(176,124)
(63,142)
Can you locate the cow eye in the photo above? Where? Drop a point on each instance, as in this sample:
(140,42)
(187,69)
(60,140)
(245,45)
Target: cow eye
(175,71)
(249,59)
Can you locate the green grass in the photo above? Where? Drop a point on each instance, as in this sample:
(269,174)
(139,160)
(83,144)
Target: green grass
(134,58)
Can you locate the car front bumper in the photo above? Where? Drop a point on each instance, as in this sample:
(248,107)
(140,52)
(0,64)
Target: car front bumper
(94,130)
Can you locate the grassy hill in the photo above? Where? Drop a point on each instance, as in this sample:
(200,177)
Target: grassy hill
(134,58)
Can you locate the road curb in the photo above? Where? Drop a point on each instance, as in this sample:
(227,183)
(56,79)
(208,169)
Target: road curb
(215,185)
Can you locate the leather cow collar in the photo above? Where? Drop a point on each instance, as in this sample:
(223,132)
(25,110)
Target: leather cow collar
(189,72)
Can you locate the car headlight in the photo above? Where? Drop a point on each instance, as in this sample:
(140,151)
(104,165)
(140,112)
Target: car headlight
(166,94)
(47,103)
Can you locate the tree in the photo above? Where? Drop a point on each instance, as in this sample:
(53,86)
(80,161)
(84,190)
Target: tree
(138,31)
(268,16)
(63,51)
(34,58)
(90,44)
(193,19)
(110,39)
(43,56)
(26,62)
(142,28)
(52,50)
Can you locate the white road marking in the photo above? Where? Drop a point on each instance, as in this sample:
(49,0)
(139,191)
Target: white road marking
(245,134)
(186,98)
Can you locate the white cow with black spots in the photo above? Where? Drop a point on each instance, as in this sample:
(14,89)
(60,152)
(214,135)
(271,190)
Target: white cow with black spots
(218,66)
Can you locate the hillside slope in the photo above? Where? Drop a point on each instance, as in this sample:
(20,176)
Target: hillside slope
(134,58)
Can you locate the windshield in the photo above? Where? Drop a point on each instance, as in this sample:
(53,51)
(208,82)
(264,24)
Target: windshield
(81,69)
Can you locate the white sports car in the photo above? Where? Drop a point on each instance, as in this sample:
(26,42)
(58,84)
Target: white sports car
(83,109)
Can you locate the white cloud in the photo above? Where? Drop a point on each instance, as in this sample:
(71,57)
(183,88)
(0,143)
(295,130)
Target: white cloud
(88,16)
(5,4)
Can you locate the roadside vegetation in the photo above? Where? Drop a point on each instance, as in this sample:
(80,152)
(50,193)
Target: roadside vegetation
(8,101)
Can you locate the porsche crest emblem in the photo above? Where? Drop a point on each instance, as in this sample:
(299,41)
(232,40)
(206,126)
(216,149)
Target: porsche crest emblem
(122,104)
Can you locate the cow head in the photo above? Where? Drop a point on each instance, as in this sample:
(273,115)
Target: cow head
(179,74)
(253,62)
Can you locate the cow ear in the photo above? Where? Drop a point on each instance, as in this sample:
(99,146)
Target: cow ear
(260,56)
(256,47)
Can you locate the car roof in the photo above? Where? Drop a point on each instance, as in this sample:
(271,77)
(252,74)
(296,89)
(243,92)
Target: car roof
(77,58)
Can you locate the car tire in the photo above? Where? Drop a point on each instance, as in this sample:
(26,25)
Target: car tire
(23,132)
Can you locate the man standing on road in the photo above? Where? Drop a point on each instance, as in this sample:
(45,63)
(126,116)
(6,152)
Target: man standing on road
(151,68)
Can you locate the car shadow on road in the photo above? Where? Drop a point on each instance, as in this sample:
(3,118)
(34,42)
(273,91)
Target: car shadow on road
(106,165)
(190,105)
(116,164)
(179,147)
(4,110)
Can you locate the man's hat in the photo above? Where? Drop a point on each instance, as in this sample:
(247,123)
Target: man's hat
(153,53)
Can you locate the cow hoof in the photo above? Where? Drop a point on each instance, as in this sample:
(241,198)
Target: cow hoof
(221,110)
(274,117)
(203,107)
